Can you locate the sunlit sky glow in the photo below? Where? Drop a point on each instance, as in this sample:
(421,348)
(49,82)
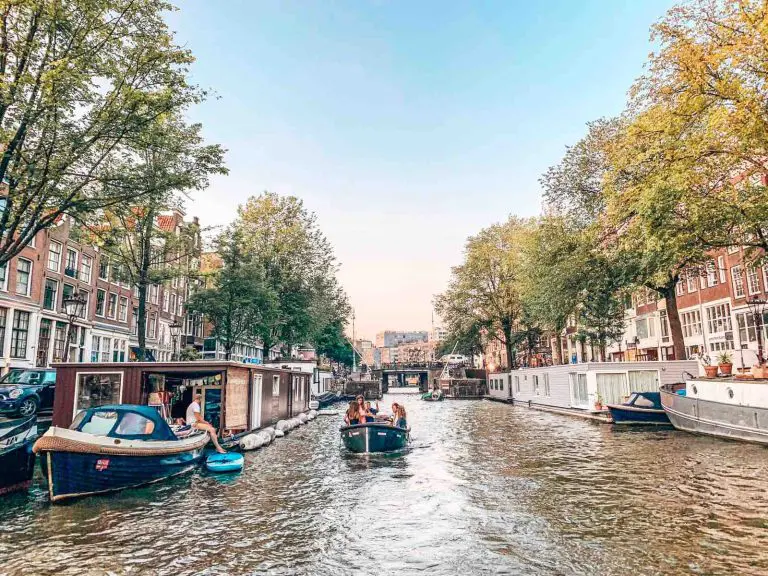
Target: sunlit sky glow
(406,126)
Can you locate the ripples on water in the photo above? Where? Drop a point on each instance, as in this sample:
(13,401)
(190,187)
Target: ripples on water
(484,489)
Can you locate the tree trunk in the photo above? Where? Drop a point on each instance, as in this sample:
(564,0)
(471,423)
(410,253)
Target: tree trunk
(507,327)
(673,316)
(557,350)
(143,283)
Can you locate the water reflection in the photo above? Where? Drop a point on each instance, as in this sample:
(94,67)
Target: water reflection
(482,488)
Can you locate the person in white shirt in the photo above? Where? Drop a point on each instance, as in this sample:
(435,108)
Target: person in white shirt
(195,419)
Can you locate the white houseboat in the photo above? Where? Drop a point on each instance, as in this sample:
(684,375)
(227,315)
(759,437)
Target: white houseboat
(581,388)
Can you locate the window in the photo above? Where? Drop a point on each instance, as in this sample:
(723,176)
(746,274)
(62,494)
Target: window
(643,380)
(612,387)
(116,275)
(664,322)
(123,309)
(651,328)
(84,310)
(101,297)
(733,249)
(738,282)
(19,334)
(721,268)
(71,267)
(691,322)
(117,347)
(112,306)
(59,340)
(152,325)
(679,288)
(153,293)
(54,256)
(23,273)
(579,396)
(721,346)
(93,390)
(135,322)
(711,274)
(546,384)
(173,303)
(50,293)
(43,341)
(166,296)
(95,348)
(275,385)
(3,316)
(4,276)
(753,284)
(180,311)
(106,344)
(746,323)
(691,281)
(66,292)
(104,268)
(86,265)
(517,383)
(719,318)
(133,424)
(535,379)
(641,328)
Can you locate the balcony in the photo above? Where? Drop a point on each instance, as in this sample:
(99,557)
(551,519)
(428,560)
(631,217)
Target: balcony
(71,272)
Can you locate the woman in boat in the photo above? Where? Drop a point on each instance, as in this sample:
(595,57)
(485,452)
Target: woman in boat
(400,421)
(351,417)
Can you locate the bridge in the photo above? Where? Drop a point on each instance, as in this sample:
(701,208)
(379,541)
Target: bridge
(399,374)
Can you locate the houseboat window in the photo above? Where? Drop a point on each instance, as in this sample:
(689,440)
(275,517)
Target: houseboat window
(100,423)
(97,390)
(612,387)
(517,383)
(643,380)
(134,424)
(579,389)
(275,385)
(536,384)
(546,384)
(212,408)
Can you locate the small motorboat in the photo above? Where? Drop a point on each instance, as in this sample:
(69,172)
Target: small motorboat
(228,462)
(110,448)
(641,408)
(17,460)
(433,396)
(326,399)
(374,437)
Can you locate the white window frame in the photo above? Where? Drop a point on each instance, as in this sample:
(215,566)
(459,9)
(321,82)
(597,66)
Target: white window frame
(722,269)
(738,282)
(711,274)
(29,276)
(4,283)
(75,411)
(166,298)
(96,309)
(76,267)
(690,280)
(84,278)
(48,259)
(122,317)
(753,281)
(106,306)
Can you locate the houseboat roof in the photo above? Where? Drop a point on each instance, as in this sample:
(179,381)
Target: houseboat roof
(196,366)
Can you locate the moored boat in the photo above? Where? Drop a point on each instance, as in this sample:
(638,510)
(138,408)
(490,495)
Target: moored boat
(17,461)
(723,407)
(374,437)
(641,408)
(433,396)
(110,448)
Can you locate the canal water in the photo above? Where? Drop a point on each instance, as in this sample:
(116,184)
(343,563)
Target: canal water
(485,488)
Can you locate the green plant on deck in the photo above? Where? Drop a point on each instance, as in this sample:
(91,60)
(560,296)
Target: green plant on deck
(724,358)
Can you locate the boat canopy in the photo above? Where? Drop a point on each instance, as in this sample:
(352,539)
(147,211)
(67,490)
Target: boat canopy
(645,400)
(129,421)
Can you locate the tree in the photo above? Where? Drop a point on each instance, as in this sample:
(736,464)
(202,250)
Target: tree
(297,262)
(484,289)
(166,159)
(552,276)
(239,303)
(465,338)
(333,344)
(78,79)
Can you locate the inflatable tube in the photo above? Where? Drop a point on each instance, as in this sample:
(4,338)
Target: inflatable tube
(227,462)
(249,442)
(303,418)
(282,425)
(279,433)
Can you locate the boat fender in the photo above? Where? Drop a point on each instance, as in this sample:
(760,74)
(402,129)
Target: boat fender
(279,433)
(295,423)
(250,442)
(271,432)
(282,426)
(264,438)
(303,418)
(312,414)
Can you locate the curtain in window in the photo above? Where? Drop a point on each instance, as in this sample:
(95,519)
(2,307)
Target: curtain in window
(643,381)
(613,388)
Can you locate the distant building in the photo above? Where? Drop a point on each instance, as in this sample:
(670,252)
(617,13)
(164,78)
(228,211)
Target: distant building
(391,338)
(438,334)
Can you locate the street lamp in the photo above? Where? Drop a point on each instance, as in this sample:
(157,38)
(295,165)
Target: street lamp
(757,307)
(175,332)
(73,307)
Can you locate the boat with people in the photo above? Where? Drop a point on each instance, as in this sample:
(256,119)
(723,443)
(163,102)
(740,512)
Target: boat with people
(368,431)
(726,407)
(113,447)
(641,408)
(17,460)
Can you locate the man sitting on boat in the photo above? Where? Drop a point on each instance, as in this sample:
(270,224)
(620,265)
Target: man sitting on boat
(195,419)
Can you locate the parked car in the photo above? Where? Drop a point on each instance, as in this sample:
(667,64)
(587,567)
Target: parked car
(25,392)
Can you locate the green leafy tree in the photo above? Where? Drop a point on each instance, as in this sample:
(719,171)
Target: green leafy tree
(78,80)
(333,344)
(239,302)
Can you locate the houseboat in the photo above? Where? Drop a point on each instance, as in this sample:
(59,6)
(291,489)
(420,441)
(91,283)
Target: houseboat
(237,398)
(724,407)
(585,389)
(458,382)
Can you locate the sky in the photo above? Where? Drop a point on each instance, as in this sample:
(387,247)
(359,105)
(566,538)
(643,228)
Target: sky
(406,126)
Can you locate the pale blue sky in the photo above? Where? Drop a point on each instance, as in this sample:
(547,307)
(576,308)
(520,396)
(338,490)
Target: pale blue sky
(405,125)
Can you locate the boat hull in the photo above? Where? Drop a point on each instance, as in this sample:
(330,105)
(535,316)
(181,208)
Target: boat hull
(628,415)
(712,418)
(74,475)
(372,438)
(18,465)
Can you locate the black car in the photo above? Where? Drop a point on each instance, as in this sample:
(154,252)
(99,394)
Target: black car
(25,392)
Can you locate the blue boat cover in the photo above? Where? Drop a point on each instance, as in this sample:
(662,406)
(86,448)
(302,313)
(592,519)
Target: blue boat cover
(228,462)
(129,421)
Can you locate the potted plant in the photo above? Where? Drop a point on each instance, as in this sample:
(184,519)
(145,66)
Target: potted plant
(709,369)
(725,364)
(599,402)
